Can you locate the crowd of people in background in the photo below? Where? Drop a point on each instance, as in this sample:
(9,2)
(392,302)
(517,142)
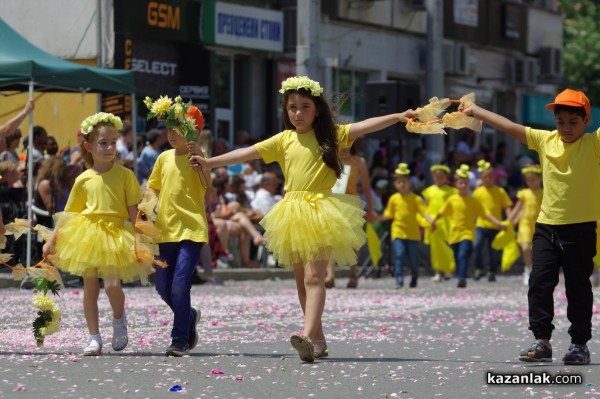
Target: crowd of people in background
(240,195)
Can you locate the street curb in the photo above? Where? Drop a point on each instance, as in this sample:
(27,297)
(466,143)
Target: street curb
(236,274)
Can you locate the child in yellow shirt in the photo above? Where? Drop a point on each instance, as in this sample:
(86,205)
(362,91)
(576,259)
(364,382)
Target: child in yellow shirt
(525,213)
(462,210)
(494,199)
(435,196)
(402,209)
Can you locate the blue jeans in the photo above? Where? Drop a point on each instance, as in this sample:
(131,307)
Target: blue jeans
(483,239)
(403,247)
(174,283)
(462,252)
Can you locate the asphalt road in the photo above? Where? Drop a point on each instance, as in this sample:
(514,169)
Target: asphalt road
(435,341)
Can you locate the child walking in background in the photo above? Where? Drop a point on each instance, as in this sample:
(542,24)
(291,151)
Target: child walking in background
(565,231)
(181,219)
(462,210)
(402,208)
(359,175)
(494,199)
(310,226)
(92,238)
(525,213)
(435,196)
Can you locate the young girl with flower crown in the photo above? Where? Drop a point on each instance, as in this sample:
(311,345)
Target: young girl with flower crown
(93,238)
(310,226)
(525,213)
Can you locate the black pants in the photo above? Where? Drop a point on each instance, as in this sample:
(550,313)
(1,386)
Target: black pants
(572,247)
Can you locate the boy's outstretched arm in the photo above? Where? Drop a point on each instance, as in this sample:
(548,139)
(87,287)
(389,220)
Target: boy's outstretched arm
(240,155)
(497,122)
(377,123)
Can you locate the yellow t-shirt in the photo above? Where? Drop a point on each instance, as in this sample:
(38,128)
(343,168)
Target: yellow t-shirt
(571,176)
(437,196)
(181,214)
(301,159)
(105,194)
(403,209)
(494,199)
(462,212)
(532,201)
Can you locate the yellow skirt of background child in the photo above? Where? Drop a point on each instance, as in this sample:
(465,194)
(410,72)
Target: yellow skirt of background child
(525,232)
(91,246)
(308,226)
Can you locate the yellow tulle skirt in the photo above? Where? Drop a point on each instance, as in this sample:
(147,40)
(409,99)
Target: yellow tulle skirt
(89,246)
(308,226)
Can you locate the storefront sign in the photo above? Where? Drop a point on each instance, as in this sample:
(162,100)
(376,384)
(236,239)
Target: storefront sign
(176,20)
(239,26)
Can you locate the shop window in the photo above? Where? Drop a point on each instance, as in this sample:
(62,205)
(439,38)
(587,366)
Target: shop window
(223,78)
(347,87)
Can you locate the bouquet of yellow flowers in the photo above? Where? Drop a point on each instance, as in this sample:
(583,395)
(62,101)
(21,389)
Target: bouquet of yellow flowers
(175,115)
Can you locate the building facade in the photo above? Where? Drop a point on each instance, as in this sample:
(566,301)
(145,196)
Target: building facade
(229,57)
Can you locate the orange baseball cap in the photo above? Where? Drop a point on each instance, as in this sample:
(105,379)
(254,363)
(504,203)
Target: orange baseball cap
(196,114)
(571,98)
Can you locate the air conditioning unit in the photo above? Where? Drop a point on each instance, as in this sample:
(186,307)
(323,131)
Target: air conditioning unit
(550,61)
(457,59)
(415,5)
(523,71)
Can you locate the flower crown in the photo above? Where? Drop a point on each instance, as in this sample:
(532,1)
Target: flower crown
(532,169)
(301,82)
(443,168)
(89,123)
(402,169)
(175,115)
(463,171)
(483,165)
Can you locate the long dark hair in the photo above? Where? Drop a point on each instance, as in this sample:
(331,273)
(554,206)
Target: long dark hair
(325,126)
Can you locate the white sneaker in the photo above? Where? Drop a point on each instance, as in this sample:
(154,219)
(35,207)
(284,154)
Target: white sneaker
(526,276)
(437,278)
(94,348)
(119,338)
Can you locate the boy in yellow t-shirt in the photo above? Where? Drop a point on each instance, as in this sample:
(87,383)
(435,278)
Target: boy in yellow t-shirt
(402,209)
(565,232)
(181,219)
(461,210)
(494,199)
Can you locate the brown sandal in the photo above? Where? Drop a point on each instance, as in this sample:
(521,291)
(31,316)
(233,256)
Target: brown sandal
(320,351)
(304,346)
(329,283)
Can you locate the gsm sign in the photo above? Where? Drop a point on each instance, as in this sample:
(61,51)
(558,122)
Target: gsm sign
(164,15)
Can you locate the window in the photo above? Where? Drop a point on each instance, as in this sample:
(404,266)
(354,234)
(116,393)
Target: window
(348,87)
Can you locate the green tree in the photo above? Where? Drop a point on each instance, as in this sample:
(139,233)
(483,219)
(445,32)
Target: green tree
(581,46)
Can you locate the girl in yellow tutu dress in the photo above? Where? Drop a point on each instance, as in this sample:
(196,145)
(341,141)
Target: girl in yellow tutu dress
(310,226)
(92,238)
(525,214)
(435,196)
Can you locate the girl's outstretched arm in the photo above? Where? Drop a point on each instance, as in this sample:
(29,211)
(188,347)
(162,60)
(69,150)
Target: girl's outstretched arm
(240,155)
(379,122)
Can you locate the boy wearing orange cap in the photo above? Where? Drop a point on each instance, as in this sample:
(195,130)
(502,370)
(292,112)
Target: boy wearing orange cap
(402,209)
(181,220)
(565,231)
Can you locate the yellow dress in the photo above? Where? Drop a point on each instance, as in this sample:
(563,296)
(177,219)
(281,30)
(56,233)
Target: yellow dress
(310,223)
(93,239)
(532,202)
